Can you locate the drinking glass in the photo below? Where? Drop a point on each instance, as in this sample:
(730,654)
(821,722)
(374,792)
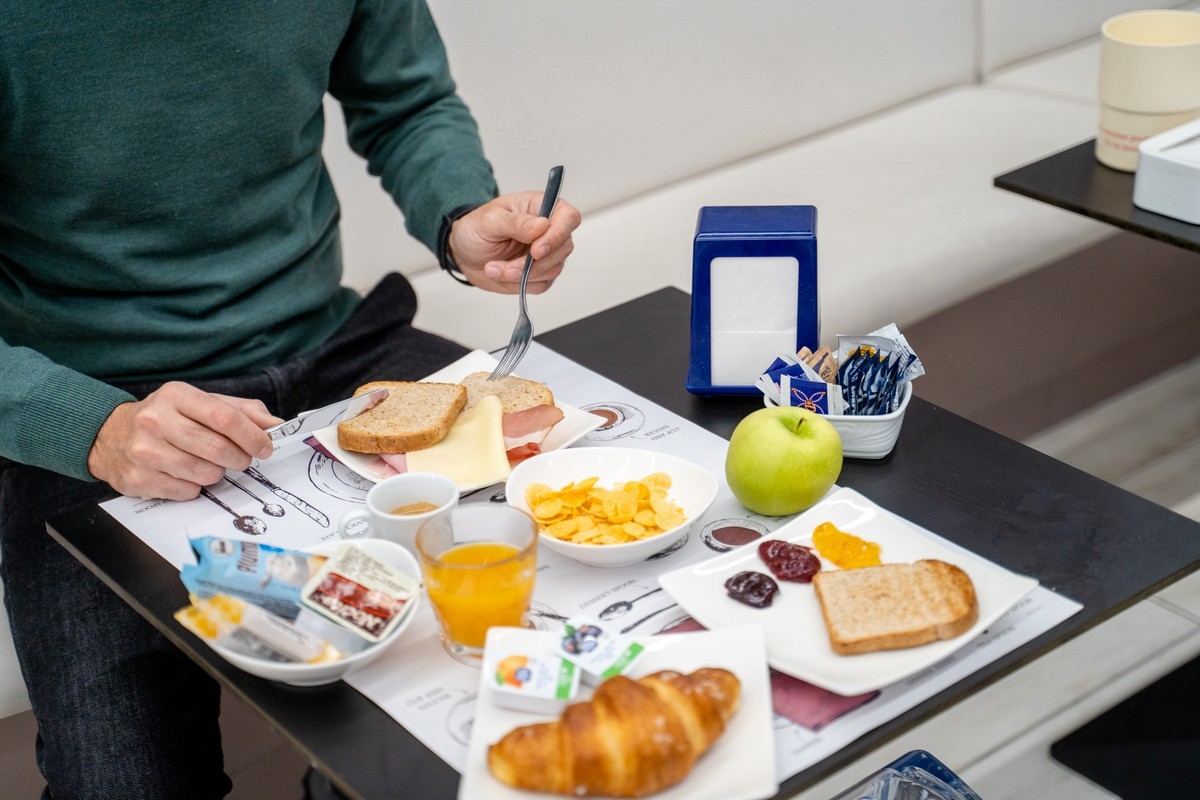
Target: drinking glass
(478,563)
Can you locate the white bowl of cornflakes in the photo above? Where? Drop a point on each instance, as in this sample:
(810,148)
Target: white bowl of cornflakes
(611,506)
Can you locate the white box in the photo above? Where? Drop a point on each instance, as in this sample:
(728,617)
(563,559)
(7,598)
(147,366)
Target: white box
(1168,173)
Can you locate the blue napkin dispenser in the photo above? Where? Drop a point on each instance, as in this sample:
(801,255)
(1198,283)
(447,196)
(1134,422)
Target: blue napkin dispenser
(754,293)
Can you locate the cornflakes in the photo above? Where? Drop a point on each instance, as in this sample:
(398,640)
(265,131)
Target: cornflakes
(584,513)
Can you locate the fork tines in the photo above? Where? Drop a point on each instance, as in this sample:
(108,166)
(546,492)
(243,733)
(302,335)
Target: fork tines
(512,356)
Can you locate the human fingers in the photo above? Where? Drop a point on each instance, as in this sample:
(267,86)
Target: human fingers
(564,220)
(227,421)
(509,272)
(256,410)
(130,454)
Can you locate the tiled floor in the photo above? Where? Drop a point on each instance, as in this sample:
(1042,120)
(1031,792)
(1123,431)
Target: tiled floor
(1147,440)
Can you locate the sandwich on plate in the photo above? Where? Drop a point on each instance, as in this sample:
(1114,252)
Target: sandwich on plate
(472,431)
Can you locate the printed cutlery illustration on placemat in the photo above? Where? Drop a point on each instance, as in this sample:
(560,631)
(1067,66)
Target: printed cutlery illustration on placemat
(244,523)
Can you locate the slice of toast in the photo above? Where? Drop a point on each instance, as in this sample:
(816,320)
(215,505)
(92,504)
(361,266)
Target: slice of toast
(894,606)
(412,417)
(516,394)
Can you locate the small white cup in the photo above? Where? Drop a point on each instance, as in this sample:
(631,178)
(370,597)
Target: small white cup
(377,519)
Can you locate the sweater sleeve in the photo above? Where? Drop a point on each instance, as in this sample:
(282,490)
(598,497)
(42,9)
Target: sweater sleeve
(404,117)
(49,414)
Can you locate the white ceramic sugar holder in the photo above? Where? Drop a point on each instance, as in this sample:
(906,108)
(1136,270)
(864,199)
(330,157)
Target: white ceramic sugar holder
(867,437)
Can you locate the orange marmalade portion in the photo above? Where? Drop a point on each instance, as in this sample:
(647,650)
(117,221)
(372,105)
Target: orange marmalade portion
(844,549)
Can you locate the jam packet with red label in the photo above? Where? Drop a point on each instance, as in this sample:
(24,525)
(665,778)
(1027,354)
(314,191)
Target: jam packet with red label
(360,593)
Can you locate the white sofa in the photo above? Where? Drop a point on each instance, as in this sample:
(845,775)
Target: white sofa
(891,118)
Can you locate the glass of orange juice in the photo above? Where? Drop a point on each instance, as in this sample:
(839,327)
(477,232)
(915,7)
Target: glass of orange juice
(478,563)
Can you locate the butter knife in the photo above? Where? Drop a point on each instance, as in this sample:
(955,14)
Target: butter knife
(308,421)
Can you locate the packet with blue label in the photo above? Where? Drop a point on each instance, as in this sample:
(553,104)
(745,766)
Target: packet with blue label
(266,576)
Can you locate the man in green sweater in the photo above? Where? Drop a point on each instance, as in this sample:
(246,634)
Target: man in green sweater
(170,285)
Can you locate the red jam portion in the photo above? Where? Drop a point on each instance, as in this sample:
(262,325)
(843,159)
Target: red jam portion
(752,588)
(789,562)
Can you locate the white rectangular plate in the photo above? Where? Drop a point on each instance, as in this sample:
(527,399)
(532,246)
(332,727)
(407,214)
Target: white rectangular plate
(739,766)
(797,640)
(575,424)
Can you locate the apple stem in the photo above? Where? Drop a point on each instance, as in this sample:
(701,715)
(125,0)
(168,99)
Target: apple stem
(798,421)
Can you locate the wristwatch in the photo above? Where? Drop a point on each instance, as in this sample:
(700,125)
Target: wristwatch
(445,260)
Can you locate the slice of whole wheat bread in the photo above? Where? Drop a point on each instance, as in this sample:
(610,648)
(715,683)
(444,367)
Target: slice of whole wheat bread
(516,394)
(412,417)
(894,606)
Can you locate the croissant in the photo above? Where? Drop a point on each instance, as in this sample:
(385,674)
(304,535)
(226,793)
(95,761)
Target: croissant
(632,739)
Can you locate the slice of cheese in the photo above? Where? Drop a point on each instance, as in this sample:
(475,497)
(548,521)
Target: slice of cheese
(472,454)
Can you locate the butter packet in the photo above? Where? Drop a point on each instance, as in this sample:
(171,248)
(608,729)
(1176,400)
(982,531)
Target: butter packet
(524,672)
(359,592)
(599,652)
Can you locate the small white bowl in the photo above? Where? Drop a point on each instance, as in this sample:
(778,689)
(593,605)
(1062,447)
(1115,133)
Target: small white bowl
(867,437)
(693,488)
(319,674)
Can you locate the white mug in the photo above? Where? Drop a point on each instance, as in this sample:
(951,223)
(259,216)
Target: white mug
(378,520)
(1149,80)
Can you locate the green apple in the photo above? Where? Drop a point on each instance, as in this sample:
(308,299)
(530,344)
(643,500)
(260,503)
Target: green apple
(781,460)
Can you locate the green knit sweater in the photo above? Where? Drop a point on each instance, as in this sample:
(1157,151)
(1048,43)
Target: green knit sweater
(164,209)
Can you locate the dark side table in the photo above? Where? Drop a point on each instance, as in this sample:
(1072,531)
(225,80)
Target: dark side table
(1148,746)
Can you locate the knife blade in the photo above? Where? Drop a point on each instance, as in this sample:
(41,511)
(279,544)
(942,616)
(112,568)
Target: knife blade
(308,421)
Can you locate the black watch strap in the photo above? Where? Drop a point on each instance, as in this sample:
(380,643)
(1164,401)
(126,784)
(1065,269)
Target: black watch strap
(445,260)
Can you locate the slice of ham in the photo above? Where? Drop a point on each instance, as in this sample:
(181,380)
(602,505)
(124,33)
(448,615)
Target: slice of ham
(388,464)
(522,452)
(522,424)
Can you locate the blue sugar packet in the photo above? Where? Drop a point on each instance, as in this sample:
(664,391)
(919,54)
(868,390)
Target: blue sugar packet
(859,376)
(913,368)
(768,383)
(777,365)
(269,577)
(882,387)
(813,395)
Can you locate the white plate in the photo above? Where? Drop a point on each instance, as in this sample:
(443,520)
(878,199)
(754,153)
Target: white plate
(797,640)
(739,766)
(574,426)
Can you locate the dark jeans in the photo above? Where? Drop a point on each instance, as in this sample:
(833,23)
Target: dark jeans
(123,714)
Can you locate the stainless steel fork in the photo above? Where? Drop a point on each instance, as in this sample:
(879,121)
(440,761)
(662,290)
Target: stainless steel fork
(523,331)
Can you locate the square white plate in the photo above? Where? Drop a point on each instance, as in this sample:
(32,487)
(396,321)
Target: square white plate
(574,426)
(797,640)
(739,766)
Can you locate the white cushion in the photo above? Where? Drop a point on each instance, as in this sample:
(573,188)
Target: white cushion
(908,220)
(1072,74)
(632,95)
(1012,30)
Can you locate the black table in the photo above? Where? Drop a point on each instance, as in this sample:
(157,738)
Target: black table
(1143,747)
(1073,179)
(1078,535)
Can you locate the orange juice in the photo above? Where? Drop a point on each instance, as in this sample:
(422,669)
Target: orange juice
(476,586)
